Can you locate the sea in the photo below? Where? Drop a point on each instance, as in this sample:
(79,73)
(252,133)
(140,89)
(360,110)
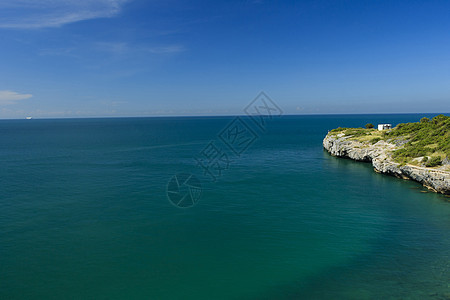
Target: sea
(211,208)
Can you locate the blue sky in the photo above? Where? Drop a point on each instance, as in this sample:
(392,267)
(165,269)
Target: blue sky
(86,58)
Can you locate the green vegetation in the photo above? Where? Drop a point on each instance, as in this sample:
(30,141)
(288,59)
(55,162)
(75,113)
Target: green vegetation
(375,140)
(429,139)
(339,129)
(369,125)
(360,134)
(433,162)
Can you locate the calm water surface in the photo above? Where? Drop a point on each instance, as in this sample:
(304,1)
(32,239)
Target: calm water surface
(84,215)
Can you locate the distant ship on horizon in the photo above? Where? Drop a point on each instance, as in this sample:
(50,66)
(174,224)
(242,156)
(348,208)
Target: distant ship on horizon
(29,118)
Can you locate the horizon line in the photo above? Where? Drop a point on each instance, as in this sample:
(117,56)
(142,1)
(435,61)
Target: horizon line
(209,116)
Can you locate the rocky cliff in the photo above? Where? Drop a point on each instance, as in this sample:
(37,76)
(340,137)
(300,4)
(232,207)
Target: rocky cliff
(380,155)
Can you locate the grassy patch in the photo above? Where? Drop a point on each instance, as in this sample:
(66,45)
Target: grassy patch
(427,138)
(375,140)
(359,134)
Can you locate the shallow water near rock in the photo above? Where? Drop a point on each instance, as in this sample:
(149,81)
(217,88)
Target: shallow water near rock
(84,215)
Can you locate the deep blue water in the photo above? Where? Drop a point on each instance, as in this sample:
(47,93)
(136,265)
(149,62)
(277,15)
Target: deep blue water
(84,214)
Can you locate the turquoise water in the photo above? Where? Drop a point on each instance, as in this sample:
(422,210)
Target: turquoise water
(84,215)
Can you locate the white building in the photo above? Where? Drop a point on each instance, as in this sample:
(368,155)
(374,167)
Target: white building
(384,126)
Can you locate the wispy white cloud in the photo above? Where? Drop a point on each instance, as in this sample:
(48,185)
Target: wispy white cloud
(29,14)
(166,49)
(58,52)
(10,97)
(120,48)
(117,48)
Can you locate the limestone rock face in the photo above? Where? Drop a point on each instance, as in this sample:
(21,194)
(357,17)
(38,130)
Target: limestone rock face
(380,156)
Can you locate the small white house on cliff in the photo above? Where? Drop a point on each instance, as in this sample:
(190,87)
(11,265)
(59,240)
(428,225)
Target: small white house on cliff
(384,126)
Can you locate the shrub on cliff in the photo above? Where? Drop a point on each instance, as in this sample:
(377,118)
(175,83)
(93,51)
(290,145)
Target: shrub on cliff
(375,140)
(434,161)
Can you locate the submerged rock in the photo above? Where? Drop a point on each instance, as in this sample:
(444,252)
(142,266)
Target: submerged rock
(380,155)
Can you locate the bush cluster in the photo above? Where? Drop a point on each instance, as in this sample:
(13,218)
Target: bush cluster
(375,140)
(433,162)
(425,138)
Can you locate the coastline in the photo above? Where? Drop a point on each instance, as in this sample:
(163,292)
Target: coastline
(379,154)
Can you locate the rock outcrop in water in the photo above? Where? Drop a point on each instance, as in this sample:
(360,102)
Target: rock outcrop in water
(380,156)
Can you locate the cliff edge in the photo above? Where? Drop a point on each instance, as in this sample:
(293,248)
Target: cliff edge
(380,154)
